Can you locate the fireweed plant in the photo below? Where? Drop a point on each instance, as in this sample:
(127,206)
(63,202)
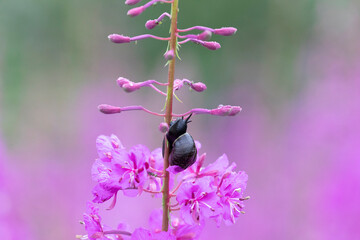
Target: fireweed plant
(197,192)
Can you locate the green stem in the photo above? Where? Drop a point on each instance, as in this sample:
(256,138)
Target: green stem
(168,112)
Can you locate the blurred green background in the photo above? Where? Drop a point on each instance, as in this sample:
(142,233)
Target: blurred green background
(50,49)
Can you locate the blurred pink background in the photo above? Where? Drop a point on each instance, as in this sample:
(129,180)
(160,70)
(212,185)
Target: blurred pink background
(295,71)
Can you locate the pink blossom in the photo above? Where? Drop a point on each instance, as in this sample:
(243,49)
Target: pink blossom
(197,200)
(214,169)
(144,234)
(231,196)
(177,227)
(92,222)
(133,166)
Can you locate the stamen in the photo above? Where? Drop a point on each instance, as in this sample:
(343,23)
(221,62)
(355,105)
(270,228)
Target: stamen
(113,203)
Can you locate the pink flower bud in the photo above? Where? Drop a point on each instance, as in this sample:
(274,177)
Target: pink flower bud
(163,127)
(150,24)
(131,86)
(226,110)
(178,84)
(121,81)
(199,86)
(225,31)
(169,55)
(108,109)
(136,11)
(132,2)
(211,45)
(116,38)
(205,35)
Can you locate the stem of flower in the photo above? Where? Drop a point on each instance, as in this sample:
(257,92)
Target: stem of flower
(149,191)
(177,187)
(168,113)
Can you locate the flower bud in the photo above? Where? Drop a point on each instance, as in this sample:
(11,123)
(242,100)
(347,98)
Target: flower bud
(169,55)
(199,86)
(132,2)
(150,24)
(121,81)
(225,31)
(135,11)
(163,127)
(131,87)
(116,38)
(211,45)
(205,35)
(226,110)
(178,84)
(108,109)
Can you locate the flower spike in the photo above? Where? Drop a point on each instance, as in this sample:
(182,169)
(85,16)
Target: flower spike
(198,192)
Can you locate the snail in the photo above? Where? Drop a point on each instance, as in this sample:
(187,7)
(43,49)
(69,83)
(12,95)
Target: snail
(182,147)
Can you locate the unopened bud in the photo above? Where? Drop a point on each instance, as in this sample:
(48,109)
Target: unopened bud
(163,127)
(131,86)
(122,81)
(199,86)
(169,55)
(205,35)
(132,2)
(178,84)
(211,45)
(150,24)
(225,31)
(116,38)
(226,110)
(108,109)
(136,11)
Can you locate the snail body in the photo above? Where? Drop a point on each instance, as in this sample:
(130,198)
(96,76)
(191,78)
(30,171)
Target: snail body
(182,146)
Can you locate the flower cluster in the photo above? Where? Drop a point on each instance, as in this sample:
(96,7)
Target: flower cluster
(215,191)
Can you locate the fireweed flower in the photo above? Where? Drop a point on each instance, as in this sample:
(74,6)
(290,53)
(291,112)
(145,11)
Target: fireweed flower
(197,170)
(119,169)
(214,191)
(154,182)
(231,193)
(179,228)
(197,201)
(92,221)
